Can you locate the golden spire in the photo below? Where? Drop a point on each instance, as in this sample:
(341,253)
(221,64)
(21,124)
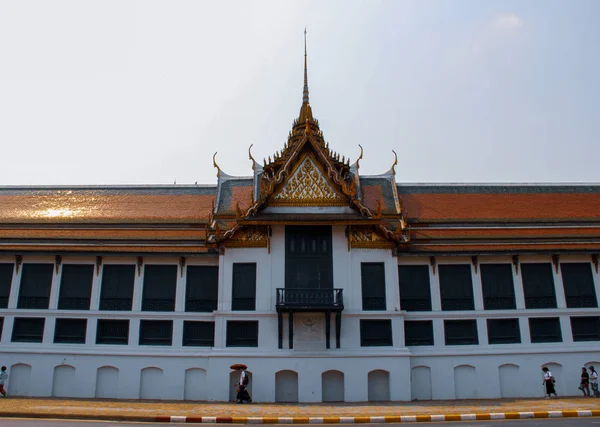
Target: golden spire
(305,110)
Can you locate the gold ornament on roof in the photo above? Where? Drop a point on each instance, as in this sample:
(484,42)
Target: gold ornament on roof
(308,186)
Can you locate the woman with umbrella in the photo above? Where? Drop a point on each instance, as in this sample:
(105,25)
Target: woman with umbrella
(242,394)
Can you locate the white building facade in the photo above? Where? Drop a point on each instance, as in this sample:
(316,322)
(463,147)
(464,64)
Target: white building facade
(329,285)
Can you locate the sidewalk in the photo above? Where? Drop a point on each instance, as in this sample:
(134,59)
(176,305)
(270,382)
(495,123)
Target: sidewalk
(270,413)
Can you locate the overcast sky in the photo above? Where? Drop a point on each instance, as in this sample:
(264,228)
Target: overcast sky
(124,92)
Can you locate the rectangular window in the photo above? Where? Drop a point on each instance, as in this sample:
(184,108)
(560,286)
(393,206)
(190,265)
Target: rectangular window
(242,333)
(373,285)
(112,332)
(545,329)
(375,333)
(117,287)
(160,284)
(503,331)
(156,332)
(70,331)
(202,288)
(415,289)
(36,281)
(6,274)
(75,287)
(461,332)
(243,287)
(418,333)
(198,334)
(456,287)
(585,328)
(538,285)
(579,284)
(497,287)
(28,329)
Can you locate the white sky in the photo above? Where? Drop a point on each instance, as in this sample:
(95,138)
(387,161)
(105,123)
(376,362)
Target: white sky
(124,92)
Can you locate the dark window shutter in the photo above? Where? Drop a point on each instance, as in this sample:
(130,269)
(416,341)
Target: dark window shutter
(117,287)
(156,332)
(497,287)
(373,285)
(538,285)
(160,284)
(461,332)
(75,287)
(375,333)
(70,331)
(244,286)
(28,329)
(586,328)
(112,332)
(242,333)
(503,331)
(545,329)
(6,274)
(418,332)
(202,288)
(456,287)
(36,281)
(198,334)
(579,284)
(415,289)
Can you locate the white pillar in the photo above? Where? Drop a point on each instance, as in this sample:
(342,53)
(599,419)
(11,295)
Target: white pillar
(436,299)
(524,328)
(180,290)
(54,287)
(565,329)
(477,291)
(138,283)
(14,286)
(559,288)
(96,290)
(518,286)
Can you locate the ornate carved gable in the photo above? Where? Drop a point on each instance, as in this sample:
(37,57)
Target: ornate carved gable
(307,186)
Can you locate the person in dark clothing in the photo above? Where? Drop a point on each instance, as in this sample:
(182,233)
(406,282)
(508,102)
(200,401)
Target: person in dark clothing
(584,385)
(548,382)
(242,394)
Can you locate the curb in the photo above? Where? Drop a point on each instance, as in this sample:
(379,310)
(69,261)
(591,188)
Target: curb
(315,420)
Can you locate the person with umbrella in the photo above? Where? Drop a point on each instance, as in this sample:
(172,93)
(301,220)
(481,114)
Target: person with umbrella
(242,394)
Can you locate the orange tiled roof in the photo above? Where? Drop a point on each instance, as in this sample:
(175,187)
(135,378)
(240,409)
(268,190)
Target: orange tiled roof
(179,204)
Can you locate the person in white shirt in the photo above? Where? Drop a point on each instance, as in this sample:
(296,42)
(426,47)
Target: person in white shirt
(242,393)
(594,381)
(548,382)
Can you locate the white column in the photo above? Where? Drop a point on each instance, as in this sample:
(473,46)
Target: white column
(518,286)
(397,331)
(439,339)
(436,299)
(524,328)
(49,326)
(90,331)
(477,291)
(482,334)
(565,329)
(177,340)
(180,289)
(559,289)
(220,331)
(54,287)
(134,332)
(138,284)
(15,286)
(96,289)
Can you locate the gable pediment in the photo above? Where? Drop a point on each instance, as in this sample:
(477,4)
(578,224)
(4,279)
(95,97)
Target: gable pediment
(307,185)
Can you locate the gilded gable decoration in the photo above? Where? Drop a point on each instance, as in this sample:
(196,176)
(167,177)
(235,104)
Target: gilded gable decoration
(367,237)
(308,186)
(249,237)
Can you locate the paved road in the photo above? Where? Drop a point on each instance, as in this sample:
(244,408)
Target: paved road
(564,422)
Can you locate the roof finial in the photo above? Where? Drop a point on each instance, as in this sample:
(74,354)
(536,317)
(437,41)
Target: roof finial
(305,94)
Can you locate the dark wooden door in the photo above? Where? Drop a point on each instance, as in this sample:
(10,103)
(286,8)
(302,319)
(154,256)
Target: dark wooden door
(308,257)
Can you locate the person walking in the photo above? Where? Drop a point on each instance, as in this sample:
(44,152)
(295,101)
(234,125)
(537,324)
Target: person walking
(548,382)
(584,385)
(3,378)
(242,394)
(594,381)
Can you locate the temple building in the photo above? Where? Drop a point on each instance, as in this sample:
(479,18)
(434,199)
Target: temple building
(329,284)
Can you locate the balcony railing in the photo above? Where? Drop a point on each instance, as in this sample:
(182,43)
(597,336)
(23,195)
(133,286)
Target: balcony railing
(308,299)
